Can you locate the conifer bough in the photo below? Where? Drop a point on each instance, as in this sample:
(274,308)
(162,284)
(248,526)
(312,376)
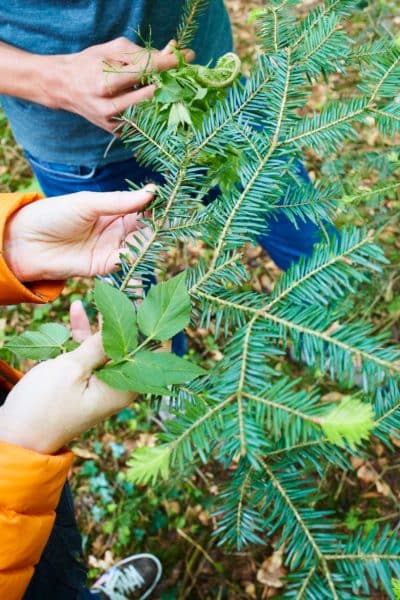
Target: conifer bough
(276,433)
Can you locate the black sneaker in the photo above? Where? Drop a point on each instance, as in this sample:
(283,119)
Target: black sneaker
(133,578)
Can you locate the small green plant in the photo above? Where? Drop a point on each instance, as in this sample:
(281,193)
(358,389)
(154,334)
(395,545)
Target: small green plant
(275,435)
(130,338)
(396,588)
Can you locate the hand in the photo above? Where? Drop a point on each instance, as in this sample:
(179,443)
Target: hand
(80,234)
(60,398)
(97,83)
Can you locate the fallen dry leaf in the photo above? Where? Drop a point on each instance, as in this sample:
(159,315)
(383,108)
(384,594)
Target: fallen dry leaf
(367,474)
(271,571)
(84,453)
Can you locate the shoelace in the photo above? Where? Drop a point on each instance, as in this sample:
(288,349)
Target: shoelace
(120,582)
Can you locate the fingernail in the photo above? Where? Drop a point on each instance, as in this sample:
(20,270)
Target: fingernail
(188,54)
(169,47)
(151,188)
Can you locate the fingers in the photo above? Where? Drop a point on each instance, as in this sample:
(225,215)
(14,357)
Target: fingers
(120,79)
(168,60)
(115,203)
(90,355)
(169,48)
(122,71)
(122,102)
(80,324)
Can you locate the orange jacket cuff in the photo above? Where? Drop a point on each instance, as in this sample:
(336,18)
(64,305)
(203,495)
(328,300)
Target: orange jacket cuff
(30,482)
(12,291)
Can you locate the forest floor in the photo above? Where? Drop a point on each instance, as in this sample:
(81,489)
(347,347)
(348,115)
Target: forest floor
(175,520)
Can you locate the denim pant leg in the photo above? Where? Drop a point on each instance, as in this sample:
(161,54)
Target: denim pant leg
(284,252)
(285,242)
(60,573)
(57,179)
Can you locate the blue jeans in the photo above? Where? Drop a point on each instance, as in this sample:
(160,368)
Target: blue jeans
(283,241)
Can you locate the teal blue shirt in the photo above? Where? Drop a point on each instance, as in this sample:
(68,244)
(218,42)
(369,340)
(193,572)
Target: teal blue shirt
(67,26)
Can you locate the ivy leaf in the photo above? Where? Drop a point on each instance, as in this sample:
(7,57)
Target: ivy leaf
(47,342)
(119,330)
(351,421)
(166,309)
(148,464)
(174,370)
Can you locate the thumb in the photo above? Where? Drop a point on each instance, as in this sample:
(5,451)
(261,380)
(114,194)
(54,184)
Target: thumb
(80,325)
(117,203)
(90,354)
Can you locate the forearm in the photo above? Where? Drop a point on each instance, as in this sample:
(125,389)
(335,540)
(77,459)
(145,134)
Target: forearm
(30,76)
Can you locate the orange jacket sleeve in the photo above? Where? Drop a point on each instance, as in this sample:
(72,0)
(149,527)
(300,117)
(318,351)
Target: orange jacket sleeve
(13,291)
(30,483)
(30,488)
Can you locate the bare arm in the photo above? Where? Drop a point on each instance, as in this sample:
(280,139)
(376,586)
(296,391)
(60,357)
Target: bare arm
(25,75)
(78,82)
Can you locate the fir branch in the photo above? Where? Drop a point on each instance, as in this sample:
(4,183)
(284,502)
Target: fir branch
(260,167)
(187,29)
(334,117)
(132,123)
(197,423)
(293,447)
(277,405)
(240,393)
(316,16)
(306,582)
(302,524)
(322,265)
(240,504)
(387,365)
(235,105)
(387,73)
(144,250)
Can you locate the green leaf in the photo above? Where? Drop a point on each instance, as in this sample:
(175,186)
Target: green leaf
(149,372)
(119,330)
(172,369)
(169,91)
(351,421)
(166,309)
(148,464)
(179,115)
(134,375)
(48,342)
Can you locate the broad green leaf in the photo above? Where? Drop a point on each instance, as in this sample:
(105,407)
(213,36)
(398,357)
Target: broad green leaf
(166,309)
(351,421)
(149,372)
(148,464)
(119,330)
(174,370)
(135,376)
(170,91)
(48,342)
(179,115)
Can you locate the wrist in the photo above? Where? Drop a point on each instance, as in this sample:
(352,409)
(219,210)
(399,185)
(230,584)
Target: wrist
(12,435)
(15,433)
(52,81)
